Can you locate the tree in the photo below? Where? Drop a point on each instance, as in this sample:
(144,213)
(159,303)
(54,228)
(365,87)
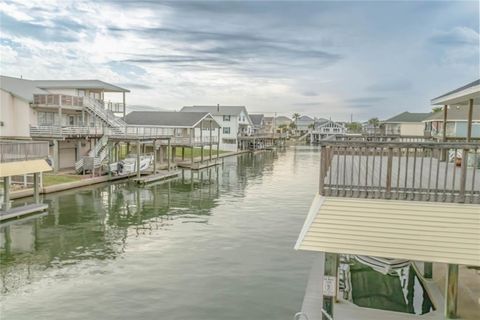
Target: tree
(292,125)
(296,116)
(374,122)
(354,127)
(282,127)
(437,109)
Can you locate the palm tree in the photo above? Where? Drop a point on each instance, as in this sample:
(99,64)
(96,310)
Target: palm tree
(295,117)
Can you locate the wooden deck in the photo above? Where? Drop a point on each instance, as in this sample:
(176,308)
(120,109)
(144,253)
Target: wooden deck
(163,175)
(22,211)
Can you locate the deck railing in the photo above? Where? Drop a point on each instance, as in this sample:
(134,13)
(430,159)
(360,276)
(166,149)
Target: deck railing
(57,100)
(401,170)
(23,150)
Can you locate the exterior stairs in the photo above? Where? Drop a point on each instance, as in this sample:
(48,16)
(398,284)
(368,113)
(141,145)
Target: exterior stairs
(98,153)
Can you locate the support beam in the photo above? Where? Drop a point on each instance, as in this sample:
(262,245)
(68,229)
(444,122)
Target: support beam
(451,293)
(218,143)
(124,105)
(6,193)
(183,153)
(138,159)
(201,141)
(210,142)
(469,121)
(56,156)
(36,187)
(168,152)
(329,284)
(191,155)
(154,157)
(427,270)
(444,133)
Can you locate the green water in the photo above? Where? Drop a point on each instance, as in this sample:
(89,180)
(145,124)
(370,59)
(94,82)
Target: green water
(217,247)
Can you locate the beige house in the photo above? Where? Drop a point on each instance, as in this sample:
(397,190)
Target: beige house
(406,124)
(72,115)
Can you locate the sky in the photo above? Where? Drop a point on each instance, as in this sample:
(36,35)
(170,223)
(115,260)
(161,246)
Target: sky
(338,59)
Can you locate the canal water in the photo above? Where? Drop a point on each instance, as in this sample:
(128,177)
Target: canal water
(218,245)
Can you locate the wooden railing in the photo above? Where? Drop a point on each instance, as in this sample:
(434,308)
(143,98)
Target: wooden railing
(401,170)
(23,150)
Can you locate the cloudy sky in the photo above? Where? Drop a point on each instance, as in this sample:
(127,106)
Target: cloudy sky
(329,59)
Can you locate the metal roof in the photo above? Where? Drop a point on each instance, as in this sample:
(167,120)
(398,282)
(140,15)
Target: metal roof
(172,119)
(460,95)
(217,110)
(455,113)
(79,84)
(413,230)
(408,117)
(21,88)
(17,168)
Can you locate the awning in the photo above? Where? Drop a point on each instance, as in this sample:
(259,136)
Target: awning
(8,169)
(413,230)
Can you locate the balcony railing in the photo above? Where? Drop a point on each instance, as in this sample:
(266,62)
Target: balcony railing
(426,171)
(57,100)
(22,150)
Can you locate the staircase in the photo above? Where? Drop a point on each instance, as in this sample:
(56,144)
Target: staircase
(98,153)
(304,137)
(117,125)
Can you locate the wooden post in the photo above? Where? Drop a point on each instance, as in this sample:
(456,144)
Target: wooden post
(201,141)
(427,270)
(210,129)
(444,133)
(329,284)
(469,123)
(56,156)
(388,193)
(154,157)
(6,193)
(36,187)
(124,105)
(109,147)
(138,159)
(218,143)
(323,167)
(451,293)
(183,153)
(168,152)
(191,156)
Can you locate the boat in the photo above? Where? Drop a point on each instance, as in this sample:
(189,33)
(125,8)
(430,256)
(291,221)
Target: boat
(129,164)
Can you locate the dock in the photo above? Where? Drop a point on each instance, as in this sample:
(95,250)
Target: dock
(162,175)
(200,165)
(22,211)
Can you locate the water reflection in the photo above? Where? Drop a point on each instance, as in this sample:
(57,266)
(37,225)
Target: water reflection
(95,224)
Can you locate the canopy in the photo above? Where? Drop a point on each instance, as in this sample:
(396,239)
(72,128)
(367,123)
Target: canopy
(413,230)
(16,168)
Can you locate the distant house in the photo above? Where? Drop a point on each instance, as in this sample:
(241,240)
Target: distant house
(324,128)
(282,120)
(234,121)
(258,123)
(269,124)
(406,124)
(456,122)
(304,124)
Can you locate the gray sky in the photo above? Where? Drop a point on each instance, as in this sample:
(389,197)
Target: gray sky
(328,59)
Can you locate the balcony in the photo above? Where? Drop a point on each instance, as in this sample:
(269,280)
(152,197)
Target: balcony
(22,150)
(57,100)
(427,171)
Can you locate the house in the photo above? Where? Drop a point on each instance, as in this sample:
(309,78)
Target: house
(73,115)
(269,124)
(457,117)
(258,121)
(304,124)
(234,121)
(189,130)
(324,128)
(406,124)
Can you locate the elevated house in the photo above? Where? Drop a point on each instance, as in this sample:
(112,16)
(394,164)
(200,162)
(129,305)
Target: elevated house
(73,115)
(258,121)
(304,124)
(325,129)
(457,120)
(388,218)
(189,130)
(406,124)
(233,120)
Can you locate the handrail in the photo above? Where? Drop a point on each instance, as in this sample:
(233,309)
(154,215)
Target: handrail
(430,171)
(23,150)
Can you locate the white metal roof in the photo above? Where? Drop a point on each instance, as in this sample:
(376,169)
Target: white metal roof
(17,168)
(460,95)
(413,230)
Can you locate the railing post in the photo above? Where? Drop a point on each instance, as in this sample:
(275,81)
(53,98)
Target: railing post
(388,182)
(323,160)
(463,176)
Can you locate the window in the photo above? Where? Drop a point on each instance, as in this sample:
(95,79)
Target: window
(226,130)
(46,118)
(71,120)
(226,118)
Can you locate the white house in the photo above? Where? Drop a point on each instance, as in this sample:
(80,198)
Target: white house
(71,114)
(234,121)
(324,128)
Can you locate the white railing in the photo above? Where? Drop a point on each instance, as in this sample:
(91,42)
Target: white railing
(98,109)
(56,131)
(57,100)
(22,150)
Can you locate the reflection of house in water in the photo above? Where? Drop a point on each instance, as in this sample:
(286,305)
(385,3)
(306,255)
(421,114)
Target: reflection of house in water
(95,223)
